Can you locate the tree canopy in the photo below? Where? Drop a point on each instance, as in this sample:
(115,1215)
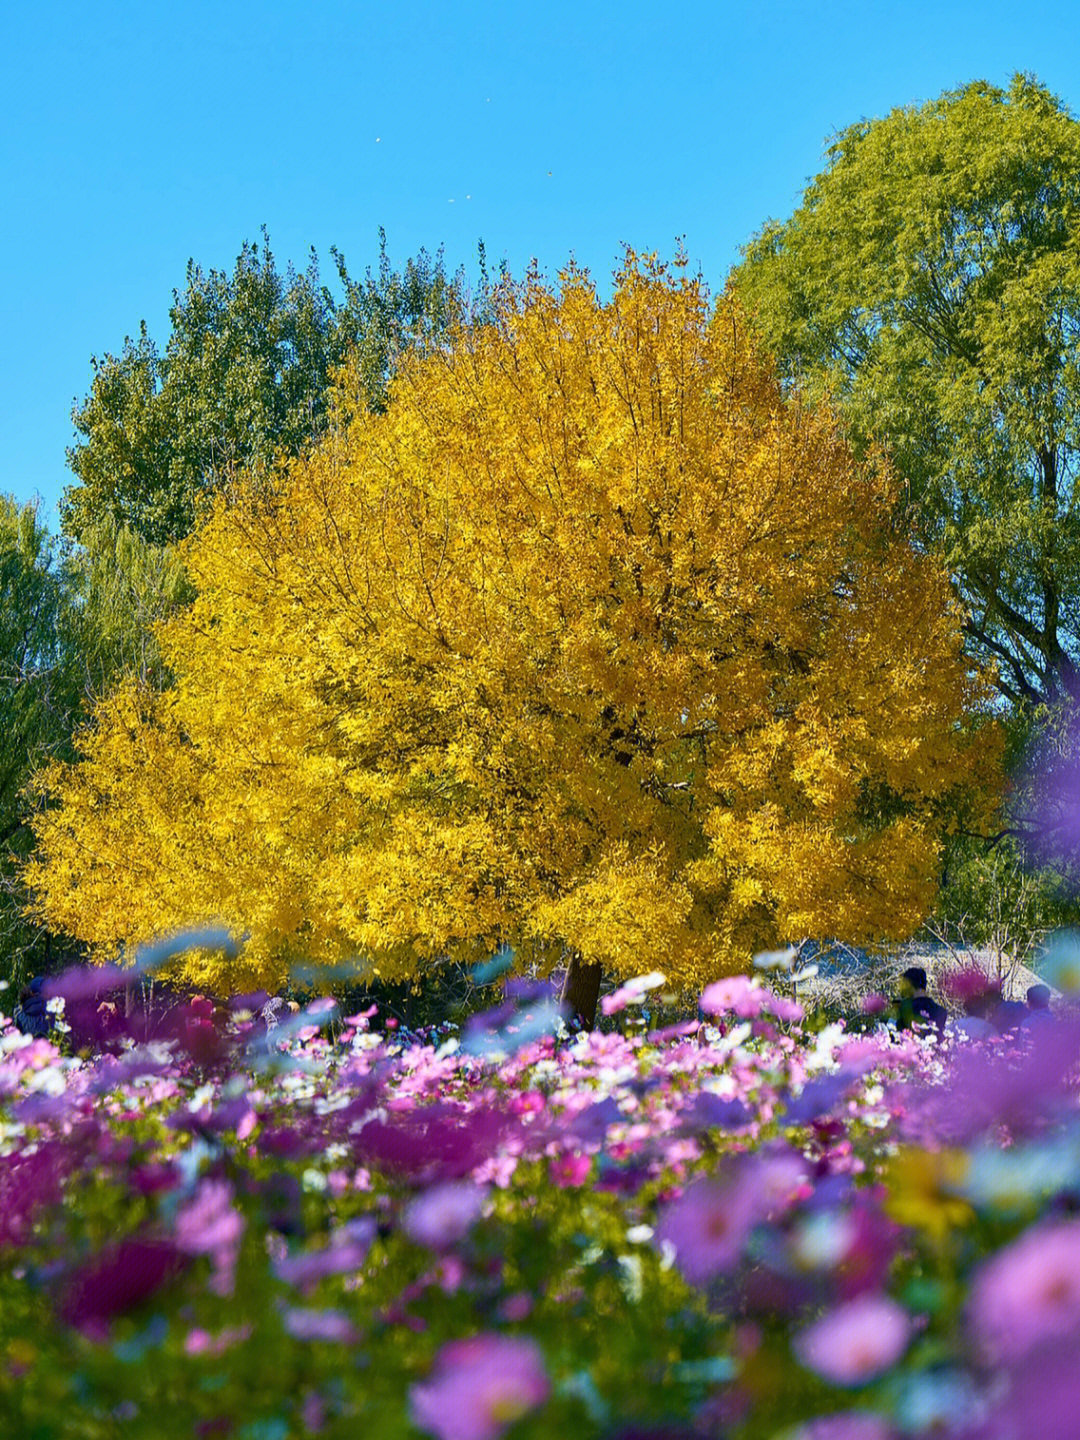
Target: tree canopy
(35,695)
(929,283)
(245,377)
(592,644)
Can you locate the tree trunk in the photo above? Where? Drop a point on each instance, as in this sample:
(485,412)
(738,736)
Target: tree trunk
(580,992)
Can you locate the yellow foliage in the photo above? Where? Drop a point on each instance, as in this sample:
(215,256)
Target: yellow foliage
(593,641)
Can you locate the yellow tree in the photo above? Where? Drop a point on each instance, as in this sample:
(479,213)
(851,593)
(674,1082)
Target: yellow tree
(593,644)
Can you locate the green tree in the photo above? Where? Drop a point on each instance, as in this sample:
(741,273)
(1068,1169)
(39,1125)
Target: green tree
(35,711)
(118,588)
(930,283)
(244,379)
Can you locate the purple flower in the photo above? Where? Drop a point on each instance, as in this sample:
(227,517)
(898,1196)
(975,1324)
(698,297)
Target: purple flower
(707,1226)
(478,1387)
(86,982)
(1029,1292)
(29,1183)
(857,1341)
(849,1425)
(327,1326)
(1042,1400)
(346,1252)
(444,1214)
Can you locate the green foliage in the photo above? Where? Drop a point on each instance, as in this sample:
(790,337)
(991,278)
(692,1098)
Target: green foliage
(119,586)
(243,379)
(930,282)
(34,697)
(993,898)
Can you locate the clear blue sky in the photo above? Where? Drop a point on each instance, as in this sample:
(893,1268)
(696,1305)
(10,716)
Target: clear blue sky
(137,135)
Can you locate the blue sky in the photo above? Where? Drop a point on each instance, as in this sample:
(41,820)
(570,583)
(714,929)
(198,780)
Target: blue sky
(136,135)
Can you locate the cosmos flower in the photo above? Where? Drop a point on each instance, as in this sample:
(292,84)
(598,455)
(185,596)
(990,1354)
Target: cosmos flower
(444,1213)
(707,1226)
(857,1341)
(479,1387)
(1028,1293)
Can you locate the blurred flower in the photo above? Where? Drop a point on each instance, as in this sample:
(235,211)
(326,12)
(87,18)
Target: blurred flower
(345,1252)
(1029,1292)
(778,960)
(1059,964)
(201,1342)
(738,994)
(923,1187)
(822,1239)
(747,998)
(443,1214)
(568,1171)
(117,1280)
(1042,1399)
(707,1227)
(208,1225)
(328,1326)
(633,992)
(849,1425)
(857,1341)
(479,1387)
(1012,1180)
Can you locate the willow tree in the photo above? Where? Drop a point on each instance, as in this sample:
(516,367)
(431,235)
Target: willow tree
(592,644)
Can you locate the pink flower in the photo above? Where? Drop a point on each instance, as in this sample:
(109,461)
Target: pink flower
(208,1225)
(1029,1292)
(739,994)
(857,1341)
(201,1342)
(707,1226)
(778,1178)
(208,1222)
(568,1171)
(478,1387)
(444,1214)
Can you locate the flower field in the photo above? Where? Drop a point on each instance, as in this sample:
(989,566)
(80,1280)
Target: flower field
(741,1225)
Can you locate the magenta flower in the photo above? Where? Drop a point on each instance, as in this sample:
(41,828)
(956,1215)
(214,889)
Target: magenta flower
(444,1214)
(117,1280)
(1029,1292)
(569,1171)
(856,1342)
(707,1226)
(478,1387)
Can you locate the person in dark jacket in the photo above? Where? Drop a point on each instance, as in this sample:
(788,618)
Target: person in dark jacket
(916,1007)
(30,1015)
